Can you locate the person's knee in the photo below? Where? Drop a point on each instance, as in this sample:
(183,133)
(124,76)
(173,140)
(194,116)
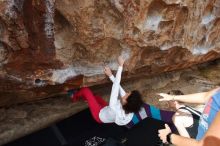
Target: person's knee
(85,89)
(86,92)
(177,120)
(184,119)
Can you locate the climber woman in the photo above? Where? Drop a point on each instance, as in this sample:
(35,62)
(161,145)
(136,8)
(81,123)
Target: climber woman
(119,110)
(126,110)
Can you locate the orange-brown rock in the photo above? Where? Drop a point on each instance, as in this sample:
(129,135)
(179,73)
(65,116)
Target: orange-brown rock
(44,43)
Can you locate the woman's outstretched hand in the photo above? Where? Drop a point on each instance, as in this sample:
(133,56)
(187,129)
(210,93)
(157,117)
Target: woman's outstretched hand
(165,97)
(121,61)
(107,71)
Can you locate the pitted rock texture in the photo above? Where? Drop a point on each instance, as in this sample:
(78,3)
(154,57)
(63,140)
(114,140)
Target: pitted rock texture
(43,44)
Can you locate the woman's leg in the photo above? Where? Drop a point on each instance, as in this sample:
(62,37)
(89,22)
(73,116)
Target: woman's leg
(101,101)
(186,120)
(95,103)
(182,120)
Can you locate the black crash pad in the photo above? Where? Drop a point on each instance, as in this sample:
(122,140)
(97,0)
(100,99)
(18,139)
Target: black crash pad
(82,130)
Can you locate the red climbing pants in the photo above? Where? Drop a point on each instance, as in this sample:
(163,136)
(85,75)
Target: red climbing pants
(95,103)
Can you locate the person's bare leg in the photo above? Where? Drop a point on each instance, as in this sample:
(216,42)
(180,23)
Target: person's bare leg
(182,119)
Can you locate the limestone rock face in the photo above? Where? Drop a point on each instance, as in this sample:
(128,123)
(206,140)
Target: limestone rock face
(46,43)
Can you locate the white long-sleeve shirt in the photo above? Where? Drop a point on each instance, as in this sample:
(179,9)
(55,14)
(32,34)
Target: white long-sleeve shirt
(114,113)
